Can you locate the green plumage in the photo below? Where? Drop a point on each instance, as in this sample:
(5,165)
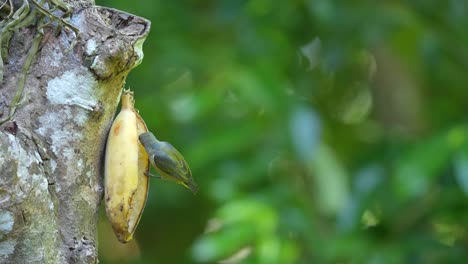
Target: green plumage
(170,164)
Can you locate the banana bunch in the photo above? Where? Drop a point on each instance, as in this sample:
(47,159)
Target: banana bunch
(126,168)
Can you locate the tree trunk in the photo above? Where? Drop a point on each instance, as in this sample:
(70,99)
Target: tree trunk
(51,149)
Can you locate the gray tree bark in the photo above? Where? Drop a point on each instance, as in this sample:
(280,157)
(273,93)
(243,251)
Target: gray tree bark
(51,150)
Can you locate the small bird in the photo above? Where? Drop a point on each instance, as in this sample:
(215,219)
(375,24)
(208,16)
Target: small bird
(170,164)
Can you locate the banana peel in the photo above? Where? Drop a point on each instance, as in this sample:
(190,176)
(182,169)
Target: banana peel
(125,170)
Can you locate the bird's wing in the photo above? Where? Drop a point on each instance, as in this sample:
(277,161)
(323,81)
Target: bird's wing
(173,165)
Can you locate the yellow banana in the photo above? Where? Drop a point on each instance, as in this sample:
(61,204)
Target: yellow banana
(126,168)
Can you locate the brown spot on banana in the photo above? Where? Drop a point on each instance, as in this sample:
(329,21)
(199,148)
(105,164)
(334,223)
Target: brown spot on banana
(117,128)
(126,167)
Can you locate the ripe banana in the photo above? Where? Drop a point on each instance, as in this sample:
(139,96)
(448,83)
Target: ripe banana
(125,170)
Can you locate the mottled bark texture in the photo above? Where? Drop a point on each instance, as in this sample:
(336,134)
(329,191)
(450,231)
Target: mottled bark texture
(51,151)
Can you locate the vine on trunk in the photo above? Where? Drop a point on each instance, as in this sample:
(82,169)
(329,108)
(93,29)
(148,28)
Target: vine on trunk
(41,15)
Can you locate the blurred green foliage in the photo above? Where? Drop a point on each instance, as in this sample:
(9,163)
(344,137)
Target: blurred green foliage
(318,131)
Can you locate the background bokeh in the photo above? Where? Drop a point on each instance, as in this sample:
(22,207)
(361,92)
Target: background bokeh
(318,131)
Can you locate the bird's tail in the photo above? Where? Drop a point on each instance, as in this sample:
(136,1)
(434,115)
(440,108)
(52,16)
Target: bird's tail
(192,186)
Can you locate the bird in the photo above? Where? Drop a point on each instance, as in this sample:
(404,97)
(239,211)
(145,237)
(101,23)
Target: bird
(168,161)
